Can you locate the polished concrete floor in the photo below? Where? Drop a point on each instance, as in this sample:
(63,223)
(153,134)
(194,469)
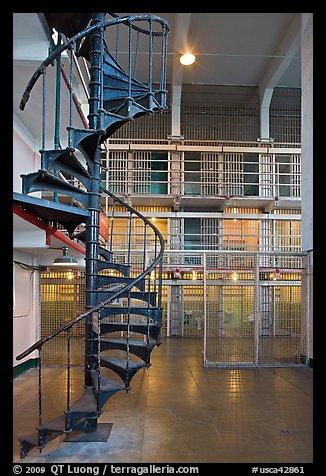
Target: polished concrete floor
(180,412)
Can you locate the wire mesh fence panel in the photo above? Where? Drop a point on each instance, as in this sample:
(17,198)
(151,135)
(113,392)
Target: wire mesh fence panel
(254,309)
(62,297)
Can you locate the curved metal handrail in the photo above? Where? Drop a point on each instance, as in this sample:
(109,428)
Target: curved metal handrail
(38,345)
(74,39)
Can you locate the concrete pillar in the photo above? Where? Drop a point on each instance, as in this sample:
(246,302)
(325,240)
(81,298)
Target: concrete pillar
(176,107)
(307,152)
(265,101)
(307,131)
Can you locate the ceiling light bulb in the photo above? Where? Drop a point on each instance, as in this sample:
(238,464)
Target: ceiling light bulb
(187,59)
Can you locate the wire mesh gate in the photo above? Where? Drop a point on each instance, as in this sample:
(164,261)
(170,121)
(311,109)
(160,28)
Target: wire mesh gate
(254,310)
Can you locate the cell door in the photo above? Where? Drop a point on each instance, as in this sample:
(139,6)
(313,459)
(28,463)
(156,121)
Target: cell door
(176,311)
(186,311)
(230,325)
(193,311)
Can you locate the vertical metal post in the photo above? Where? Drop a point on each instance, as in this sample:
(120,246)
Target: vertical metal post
(150,66)
(68,412)
(205,307)
(129,238)
(256,313)
(168,311)
(43,107)
(39,388)
(145,247)
(130,57)
(68,369)
(111,225)
(160,283)
(92,225)
(306,260)
(57,108)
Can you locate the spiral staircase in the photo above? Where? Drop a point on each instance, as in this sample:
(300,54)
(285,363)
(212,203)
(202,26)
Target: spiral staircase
(123,315)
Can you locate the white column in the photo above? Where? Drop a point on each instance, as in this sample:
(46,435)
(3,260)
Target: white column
(307,156)
(307,131)
(176,107)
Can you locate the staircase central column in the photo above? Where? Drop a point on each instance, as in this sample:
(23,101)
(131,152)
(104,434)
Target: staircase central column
(92,225)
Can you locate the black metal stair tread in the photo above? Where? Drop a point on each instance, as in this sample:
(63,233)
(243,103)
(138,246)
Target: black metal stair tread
(138,343)
(69,216)
(86,402)
(104,264)
(123,364)
(103,280)
(106,384)
(66,157)
(115,308)
(133,309)
(55,425)
(43,207)
(52,179)
(131,324)
(31,439)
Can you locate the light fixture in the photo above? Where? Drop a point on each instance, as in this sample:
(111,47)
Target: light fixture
(65,259)
(234,277)
(187,59)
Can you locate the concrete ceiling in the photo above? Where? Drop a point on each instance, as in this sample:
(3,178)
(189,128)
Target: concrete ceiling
(255,49)
(233,48)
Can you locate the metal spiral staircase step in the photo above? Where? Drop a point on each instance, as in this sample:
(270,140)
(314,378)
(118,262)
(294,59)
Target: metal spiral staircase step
(66,161)
(153,330)
(116,77)
(42,180)
(106,384)
(125,369)
(105,253)
(105,280)
(123,268)
(126,107)
(67,215)
(50,431)
(111,122)
(86,403)
(85,140)
(107,388)
(154,313)
(142,296)
(139,348)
